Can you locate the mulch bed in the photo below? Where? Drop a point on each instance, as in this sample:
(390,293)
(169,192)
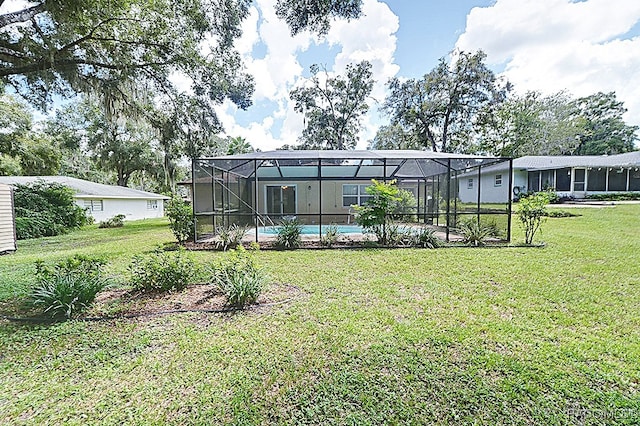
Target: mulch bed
(124,303)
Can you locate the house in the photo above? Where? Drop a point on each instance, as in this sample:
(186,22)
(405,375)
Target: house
(103,201)
(569,176)
(7,220)
(322,187)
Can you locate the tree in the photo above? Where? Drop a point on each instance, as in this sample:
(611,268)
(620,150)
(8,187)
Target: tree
(441,109)
(316,15)
(186,126)
(100,46)
(394,136)
(334,107)
(238,145)
(531,212)
(122,148)
(531,124)
(605,131)
(23,150)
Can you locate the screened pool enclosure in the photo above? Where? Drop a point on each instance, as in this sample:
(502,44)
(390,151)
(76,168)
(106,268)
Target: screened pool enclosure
(318,188)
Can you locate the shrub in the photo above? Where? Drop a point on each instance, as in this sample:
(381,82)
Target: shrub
(181,219)
(289,233)
(162,271)
(239,279)
(375,215)
(229,237)
(474,234)
(114,222)
(426,237)
(398,235)
(617,196)
(531,212)
(560,213)
(405,207)
(46,209)
(330,236)
(68,287)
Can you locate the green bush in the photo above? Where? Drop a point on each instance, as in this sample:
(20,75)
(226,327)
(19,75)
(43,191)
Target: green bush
(531,212)
(68,287)
(46,209)
(330,236)
(114,222)
(289,232)
(229,237)
(617,196)
(375,215)
(426,238)
(181,219)
(474,233)
(239,279)
(560,213)
(162,271)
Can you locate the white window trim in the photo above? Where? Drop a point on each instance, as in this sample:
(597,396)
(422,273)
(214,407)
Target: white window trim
(92,205)
(497,180)
(152,204)
(359,196)
(470,183)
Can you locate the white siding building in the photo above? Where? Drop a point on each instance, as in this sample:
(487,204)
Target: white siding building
(7,220)
(569,176)
(103,201)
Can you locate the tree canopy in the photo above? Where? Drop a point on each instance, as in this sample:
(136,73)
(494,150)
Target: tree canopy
(316,15)
(442,108)
(334,106)
(604,130)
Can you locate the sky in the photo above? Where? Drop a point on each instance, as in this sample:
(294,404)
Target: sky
(582,47)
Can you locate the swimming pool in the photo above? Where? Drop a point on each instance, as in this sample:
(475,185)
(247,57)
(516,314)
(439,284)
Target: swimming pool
(313,229)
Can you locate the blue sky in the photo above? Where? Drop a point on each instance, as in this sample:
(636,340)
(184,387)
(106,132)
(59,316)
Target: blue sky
(545,45)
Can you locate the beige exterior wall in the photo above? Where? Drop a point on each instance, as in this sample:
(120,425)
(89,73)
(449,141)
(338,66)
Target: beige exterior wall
(7,221)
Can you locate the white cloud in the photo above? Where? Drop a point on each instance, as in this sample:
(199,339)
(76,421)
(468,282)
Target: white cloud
(279,70)
(554,45)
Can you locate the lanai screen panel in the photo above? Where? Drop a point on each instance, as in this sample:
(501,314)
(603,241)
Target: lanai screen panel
(322,187)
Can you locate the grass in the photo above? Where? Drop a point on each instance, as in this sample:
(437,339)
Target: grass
(452,336)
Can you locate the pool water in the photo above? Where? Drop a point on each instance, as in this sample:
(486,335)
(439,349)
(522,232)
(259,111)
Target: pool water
(313,229)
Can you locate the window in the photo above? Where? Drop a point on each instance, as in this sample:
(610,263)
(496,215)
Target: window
(354,195)
(470,184)
(498,181)
(152,204)
(93,205)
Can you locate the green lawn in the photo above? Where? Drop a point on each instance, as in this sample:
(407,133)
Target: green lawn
(454,336)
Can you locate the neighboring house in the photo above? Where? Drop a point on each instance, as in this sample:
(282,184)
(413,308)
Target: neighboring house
(7,220)
(103,201)
(570,176)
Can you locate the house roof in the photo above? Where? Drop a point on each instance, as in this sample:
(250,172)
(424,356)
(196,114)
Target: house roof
(551,162)
(546,162)
(85,188)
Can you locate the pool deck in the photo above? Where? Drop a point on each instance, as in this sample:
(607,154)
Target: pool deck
(250,236)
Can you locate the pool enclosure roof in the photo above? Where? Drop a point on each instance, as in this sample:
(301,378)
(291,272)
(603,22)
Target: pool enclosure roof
(356,164)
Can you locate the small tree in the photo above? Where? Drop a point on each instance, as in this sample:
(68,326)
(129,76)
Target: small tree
(180,219)
(531,213)
(375,215)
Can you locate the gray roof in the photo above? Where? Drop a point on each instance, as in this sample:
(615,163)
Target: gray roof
(84,188)
(546,162)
